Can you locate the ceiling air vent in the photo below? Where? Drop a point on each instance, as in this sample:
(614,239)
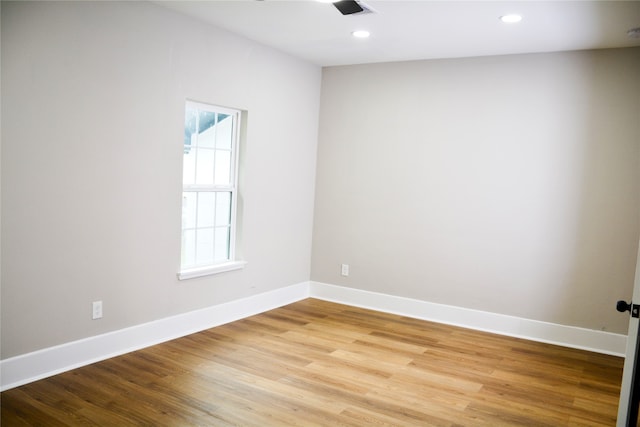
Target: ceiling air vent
(351,7)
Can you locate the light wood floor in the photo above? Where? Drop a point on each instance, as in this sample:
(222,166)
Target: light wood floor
(320,363)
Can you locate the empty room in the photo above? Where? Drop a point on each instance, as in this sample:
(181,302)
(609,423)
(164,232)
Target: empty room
(275,213)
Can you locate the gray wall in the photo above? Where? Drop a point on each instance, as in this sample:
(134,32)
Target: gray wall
(93,104)
(506,184)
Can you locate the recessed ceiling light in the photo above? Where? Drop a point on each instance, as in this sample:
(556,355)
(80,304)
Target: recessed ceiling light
(511,18)
(361,34)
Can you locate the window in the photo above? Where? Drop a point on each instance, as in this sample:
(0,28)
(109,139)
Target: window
(209,190)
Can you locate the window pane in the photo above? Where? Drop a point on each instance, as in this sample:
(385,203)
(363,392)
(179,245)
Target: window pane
(223,167)
(188,248)
(204,169)
(189,126)
(224,131)
(223,208)
(207,120)
(189,209)
(206,129)
(222,244)
(189,165)
(206,208)
(204,246)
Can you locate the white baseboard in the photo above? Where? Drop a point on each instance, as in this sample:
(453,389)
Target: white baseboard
(567,336)
(40,364)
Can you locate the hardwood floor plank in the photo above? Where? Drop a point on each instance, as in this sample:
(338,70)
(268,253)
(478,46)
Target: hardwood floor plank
(317,363)
(390,345)
(23,409)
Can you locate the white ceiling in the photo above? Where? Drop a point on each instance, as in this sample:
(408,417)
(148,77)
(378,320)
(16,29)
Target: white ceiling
(410,30)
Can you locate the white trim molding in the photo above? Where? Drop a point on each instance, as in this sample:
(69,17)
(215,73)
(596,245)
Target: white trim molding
(50,361)
(44,363)
(534,330)
(210,270)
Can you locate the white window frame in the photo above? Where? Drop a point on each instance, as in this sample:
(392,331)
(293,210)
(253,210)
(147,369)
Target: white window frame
(232,263)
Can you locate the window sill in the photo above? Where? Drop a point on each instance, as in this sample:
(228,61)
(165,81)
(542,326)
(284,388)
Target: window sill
(209,271)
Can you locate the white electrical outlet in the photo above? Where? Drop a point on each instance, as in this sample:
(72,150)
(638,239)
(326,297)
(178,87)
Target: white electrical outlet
(345,270)
(97,310)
